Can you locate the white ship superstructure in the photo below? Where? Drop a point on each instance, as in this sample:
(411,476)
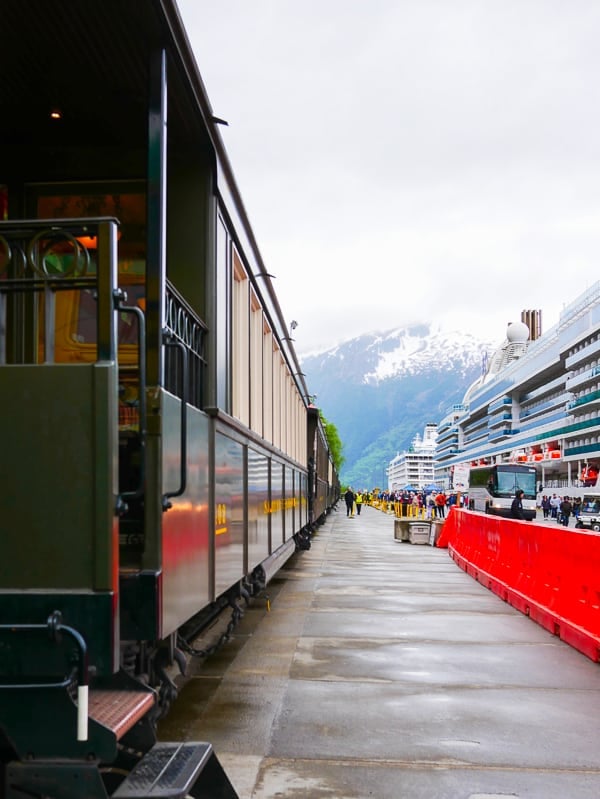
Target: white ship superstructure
(414,468)
(537,402)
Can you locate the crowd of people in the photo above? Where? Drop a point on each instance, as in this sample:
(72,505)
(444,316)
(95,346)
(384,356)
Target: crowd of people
(434,504)
(560,508)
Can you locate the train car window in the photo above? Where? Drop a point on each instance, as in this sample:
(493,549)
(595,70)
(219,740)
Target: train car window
(85,324)
(86,318)
(123,201)
(76,310)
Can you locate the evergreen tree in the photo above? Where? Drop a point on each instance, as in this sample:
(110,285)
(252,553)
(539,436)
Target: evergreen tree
(334,441)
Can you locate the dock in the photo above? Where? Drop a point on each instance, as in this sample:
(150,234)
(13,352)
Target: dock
(373,668)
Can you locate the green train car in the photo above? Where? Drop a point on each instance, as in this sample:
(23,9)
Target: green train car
(158,456)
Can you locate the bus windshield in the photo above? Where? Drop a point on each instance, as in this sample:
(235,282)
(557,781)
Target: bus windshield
(508,482)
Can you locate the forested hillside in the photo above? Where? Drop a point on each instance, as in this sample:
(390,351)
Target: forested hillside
(380,390)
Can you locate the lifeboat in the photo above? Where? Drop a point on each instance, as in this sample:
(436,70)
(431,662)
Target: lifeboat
(589,476)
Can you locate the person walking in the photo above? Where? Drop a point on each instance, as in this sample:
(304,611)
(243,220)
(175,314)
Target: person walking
(349,499)
(546,506)
(565,511)
(359,501)
(430,503)
(516,509)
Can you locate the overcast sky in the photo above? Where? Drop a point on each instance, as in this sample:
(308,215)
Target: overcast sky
(411,160)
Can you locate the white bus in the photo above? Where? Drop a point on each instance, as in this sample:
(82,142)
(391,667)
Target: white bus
(493,488)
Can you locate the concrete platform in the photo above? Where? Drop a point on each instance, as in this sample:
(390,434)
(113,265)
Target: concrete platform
(384,671)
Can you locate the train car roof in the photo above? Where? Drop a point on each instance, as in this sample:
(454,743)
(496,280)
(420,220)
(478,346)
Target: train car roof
(89,60)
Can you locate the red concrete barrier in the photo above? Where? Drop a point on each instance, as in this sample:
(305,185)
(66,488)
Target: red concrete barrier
(552,574)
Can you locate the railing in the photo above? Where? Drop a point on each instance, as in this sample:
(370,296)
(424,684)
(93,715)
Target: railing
(53,629)
(582,449)
(403,510)
(579,306)
(581,379)
(182,325)
(570,428)
(591,349)
(42,257)
(499,403)
(593,395)
(562,483)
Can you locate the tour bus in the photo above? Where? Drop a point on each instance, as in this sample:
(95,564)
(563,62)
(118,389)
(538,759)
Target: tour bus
(493,488)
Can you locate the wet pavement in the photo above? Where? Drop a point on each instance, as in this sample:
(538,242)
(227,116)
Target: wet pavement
(379,669)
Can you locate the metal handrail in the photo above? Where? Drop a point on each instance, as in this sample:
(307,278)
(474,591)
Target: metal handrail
(55,627)
(172,341)
(120,297)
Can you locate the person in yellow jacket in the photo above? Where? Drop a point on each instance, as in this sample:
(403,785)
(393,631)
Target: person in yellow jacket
(358,498)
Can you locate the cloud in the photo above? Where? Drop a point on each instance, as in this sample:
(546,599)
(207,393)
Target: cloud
(405,161)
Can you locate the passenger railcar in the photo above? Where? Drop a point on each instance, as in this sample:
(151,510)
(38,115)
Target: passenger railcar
(158,457)
(324,485)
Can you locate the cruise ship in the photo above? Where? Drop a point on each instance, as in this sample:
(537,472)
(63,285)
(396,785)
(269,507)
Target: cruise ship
(414,468)
(537,402)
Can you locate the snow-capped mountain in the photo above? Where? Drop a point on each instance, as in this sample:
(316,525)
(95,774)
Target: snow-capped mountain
(374,357)
(380,390)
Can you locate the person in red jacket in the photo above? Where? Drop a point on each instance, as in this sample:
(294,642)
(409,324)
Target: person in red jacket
(440,505)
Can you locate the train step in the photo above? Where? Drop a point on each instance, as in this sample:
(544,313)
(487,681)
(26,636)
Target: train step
(175,771)
(119,710)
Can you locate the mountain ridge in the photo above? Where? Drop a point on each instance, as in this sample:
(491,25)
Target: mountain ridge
(380,389)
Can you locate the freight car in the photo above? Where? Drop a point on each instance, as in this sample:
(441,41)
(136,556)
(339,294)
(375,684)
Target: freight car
(158,456)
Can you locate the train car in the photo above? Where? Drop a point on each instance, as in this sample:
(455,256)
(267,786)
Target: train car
(323,481)
(154,418)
